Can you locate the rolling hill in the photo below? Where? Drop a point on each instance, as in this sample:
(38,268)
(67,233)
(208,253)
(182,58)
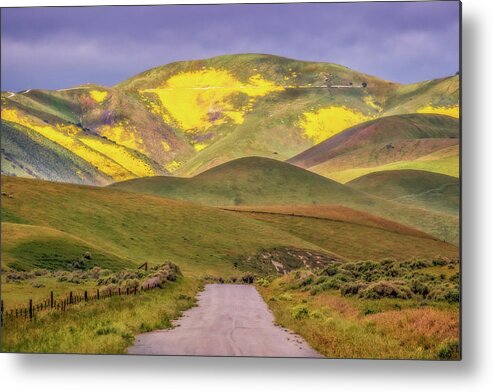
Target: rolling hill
(186,117)
(260,181)
(418,188)
(421,141)
(124,229)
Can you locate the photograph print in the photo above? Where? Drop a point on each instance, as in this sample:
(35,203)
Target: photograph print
(259,180)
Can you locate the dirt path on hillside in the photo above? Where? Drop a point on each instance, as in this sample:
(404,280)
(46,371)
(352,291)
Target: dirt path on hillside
(230,320)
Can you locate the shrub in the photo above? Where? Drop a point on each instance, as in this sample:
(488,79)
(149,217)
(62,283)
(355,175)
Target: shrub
(299,312)
(418,287)
(38,285)
(316,314)
(440,261)
(40,272)
(285,297)
(264,282)
(248,278)
(353,288)
(386,289)
(452,296)
(449,350)
(330,271)
(417,264)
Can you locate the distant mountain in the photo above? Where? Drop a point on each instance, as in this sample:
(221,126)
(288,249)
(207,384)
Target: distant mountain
(186,117)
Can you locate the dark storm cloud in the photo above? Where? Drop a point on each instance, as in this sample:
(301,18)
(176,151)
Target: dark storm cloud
(60,47)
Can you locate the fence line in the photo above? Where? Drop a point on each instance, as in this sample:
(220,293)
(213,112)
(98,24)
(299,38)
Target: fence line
(73,298)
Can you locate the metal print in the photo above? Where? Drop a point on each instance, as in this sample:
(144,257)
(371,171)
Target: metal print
(270,180)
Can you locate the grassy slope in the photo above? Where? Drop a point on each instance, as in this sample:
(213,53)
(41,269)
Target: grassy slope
(444,161)
(342,327)
(100,327)
(443,92)
(140,228)
(420,188)
(25,247)
(271,127)
(357,242)
(26,153)
(333,212)
(132,117)
(262,181)
(380,132)
(268,125)
(96,153)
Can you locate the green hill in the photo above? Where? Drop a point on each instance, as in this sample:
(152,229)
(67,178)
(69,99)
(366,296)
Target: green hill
(413,187)
(26,247)
(262,181)
(394,141)
(129,227)
(124,229)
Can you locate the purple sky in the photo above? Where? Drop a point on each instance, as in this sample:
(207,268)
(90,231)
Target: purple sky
(61,47)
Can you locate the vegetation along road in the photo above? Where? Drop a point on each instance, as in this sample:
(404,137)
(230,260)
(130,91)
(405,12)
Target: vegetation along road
(230,320)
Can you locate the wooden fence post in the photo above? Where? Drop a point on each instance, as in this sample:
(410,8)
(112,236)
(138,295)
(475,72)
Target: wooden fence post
(71,298)
(127,290)
(31,308)
(85,295)
(98,293)
(119,291)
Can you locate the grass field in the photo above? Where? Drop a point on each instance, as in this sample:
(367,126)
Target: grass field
(138,227)
(263,181)
(108,326)
(444,162)
(357,242)
(414,187)
(354,327)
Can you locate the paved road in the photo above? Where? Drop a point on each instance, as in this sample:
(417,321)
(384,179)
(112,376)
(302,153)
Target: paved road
(230,320)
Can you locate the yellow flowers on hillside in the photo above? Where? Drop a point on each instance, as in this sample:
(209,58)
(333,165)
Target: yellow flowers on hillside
(120,155)
(109,158)
(452,111)
(124,134)
(98,96)
(199,100)
(329,121)
(370,101)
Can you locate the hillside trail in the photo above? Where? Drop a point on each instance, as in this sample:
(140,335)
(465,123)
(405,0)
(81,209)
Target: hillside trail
(230,320)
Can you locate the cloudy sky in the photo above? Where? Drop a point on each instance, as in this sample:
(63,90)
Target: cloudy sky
(64,46)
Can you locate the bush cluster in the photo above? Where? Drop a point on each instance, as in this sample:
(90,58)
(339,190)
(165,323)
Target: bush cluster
(385,279)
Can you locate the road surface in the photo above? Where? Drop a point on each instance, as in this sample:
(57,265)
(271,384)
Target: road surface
(230,320)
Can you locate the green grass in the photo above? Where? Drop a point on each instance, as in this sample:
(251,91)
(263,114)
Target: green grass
(415,187)
(107,326)
(139,227)
(353,327)
(262,181)
(27,247)
(409,98)
(357,242)
(448,165)
(379,141)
